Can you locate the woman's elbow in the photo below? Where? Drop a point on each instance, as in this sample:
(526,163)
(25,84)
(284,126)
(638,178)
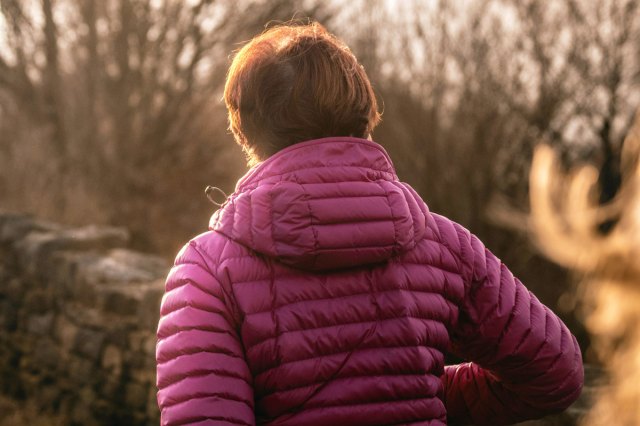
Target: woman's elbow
(568,392)
(563,385)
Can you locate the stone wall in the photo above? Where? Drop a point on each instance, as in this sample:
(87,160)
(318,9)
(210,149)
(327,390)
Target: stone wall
(78,313)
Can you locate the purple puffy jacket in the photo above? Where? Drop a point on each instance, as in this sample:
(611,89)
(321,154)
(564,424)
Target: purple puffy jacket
(326,293)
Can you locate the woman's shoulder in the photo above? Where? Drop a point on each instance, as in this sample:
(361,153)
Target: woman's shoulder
(453,240)
(214,247)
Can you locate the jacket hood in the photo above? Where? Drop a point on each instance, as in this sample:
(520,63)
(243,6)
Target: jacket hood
(324,204)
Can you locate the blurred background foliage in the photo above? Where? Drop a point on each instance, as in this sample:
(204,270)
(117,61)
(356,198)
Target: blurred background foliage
(566,220)
(111,112)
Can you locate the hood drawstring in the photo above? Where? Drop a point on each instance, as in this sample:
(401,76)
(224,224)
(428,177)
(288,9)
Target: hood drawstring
(210,190)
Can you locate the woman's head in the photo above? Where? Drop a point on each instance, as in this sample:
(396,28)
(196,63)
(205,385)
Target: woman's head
(294,83)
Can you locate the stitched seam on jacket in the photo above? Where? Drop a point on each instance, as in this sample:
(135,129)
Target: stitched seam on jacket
(274,247)
(426,265)
(339,197)
(512,315)
(428,348)
(202,395)
(200,308)
(184,281)
(356,220)
(405,198)
(314,230)
(501,268)
(452,302)
(274,315)
(207,328)
(400,263)
(395,401)
(355,376)
(190,420)
(232,213)
(422,214)
(200,351)
(396,245)
(251,238)
(192,351)
(403,262)
(282,179)
(203,373)
(443,242)
(460,255)
(436,320)
(228,299)
(389,175)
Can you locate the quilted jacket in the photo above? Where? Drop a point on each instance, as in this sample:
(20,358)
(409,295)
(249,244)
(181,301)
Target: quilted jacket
(326,293)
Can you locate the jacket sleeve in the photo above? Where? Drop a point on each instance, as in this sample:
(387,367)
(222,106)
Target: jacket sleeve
(524,363)
(202,375)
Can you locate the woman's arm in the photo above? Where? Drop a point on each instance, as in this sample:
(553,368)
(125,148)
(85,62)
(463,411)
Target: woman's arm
(202,375)
(524,362)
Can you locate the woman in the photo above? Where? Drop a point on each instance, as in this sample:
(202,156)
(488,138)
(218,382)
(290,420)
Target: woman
(326,293)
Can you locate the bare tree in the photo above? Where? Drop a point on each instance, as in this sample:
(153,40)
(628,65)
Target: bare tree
(122,102)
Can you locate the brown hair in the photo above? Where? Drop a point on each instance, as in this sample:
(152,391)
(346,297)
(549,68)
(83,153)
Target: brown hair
(294,83)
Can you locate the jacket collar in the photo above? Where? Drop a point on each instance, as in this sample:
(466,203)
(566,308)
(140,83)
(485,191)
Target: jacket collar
(323,152)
